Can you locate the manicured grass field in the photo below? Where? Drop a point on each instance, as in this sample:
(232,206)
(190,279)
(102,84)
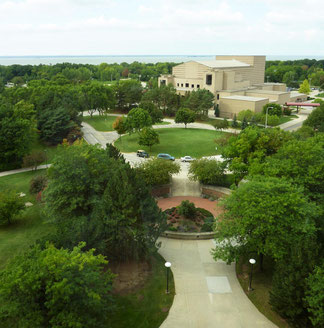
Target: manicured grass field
(261,282)
(50,151)
(100,123)
(284,119)
(148,307)
(177,142)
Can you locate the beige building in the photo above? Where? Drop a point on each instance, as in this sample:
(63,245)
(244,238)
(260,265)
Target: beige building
(236,81)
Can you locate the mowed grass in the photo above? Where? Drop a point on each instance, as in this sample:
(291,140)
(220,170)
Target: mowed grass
(261,282)
(176,142)
(26,227)
(101,123)
(148,307)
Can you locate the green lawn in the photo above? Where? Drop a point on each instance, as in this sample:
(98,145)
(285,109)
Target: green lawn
(177,142)
(261,283)
(26,228)
(50,151)
(148,307)
(163,123)
(320,95)
(100,123)
(284,119)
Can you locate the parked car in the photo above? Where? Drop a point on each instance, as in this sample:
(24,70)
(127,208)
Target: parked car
(165,156)
(187,159)
(142,153)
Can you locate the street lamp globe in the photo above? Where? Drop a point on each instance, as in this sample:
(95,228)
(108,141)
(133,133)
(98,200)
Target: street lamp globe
(167,264)
(252,261)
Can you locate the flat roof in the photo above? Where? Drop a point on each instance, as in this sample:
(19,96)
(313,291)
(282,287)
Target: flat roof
(244,98)
(296,93)
(270,92)
(222,63)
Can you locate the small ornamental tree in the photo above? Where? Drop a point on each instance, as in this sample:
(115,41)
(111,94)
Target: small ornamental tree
(304,87)
(34,159)
(137,119)
(187,209)
(56,288)
(216,110)
(119,125)
(185,115)
(11,204)
(234,122)
(148,137)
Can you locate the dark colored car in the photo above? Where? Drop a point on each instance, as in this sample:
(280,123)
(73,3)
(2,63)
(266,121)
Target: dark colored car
(142,153)
(165,156)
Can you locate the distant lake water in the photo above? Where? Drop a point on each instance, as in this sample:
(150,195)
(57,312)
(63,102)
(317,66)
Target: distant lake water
(95,60)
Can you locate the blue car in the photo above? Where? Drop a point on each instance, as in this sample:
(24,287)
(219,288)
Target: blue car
(165,156)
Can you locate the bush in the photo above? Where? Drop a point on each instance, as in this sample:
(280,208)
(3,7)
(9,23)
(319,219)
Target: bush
(273,109)
(204,212)
(247,114)
(287,111)
(273,120)
(157,172)
(37,184)
(220,124)
(207,171)
(208,225)
(187,209)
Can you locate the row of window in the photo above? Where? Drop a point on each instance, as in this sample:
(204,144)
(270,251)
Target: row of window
(187,85)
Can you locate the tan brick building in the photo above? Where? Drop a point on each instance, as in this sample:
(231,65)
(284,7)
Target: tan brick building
(236,81)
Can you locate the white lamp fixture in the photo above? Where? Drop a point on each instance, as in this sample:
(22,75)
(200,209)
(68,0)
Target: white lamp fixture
(252,261)
(167,264)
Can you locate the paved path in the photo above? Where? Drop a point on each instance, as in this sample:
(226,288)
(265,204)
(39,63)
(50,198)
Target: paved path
(208,294)
(40,167)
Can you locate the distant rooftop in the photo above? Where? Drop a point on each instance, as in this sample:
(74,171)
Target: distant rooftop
(246,98)
(222,63)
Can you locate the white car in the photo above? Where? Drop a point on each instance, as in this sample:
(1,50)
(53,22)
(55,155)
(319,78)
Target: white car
(187,159)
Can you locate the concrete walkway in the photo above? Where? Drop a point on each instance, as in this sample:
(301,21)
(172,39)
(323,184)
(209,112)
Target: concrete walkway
(40,167)
(208,294)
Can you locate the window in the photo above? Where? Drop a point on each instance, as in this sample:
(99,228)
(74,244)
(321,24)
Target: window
(198,86)
(192,85)
(177,84)
(187,85)
(181,85)
(209,79)
(217,96)
(162,82)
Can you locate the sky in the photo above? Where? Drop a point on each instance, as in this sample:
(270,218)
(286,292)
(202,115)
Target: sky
(166,27)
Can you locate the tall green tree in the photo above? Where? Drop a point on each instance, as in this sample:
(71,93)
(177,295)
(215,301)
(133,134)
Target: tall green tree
(185,115)
(200,101)
(93,196)
(316,119)
(53,287)
(148,137)
(265,216)
(137,119)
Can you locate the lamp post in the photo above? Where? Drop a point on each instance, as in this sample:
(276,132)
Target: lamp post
(167,265)
(266,120)
(252,261)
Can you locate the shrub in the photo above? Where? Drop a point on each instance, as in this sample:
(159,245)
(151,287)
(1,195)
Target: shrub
(38,183)
(247,114)
(220,124)
(204,212)
(273,120)
(208,225)
(273,109)
(187,209)
(287,111)
(207,171)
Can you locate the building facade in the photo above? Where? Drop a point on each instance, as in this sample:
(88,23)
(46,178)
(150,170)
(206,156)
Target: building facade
(236,81)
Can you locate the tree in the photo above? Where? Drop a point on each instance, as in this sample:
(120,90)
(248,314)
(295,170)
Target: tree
(119,125)
(96,198)
(304,87)
(148,137)
(128,94)
(244,124)
(245,114)
(156,172)
(54,125)
(265,216)
(11,205)
(252,145)
(316,119)
(207,171)
(155,113)
(185,115)
(53,287)
(289,284)
(234,122)
(200,101)
(216,110)
(34,159)
(315,296)
(137,119)
(16,133)
(273,109)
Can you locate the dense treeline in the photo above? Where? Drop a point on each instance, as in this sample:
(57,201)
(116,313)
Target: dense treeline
(293,72)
